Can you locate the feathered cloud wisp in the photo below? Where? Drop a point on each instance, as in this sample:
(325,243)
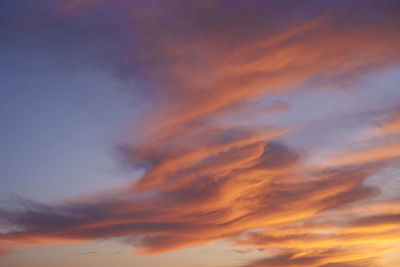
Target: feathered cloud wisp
(213,166)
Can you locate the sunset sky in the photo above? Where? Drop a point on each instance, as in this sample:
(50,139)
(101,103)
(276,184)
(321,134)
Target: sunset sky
(200,133)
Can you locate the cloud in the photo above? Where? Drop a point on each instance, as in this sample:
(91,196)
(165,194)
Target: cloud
(258,192)
(388,125)
(215,60)
(200,66)
(317,259)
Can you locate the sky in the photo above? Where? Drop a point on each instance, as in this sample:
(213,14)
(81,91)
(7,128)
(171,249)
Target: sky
(200,133)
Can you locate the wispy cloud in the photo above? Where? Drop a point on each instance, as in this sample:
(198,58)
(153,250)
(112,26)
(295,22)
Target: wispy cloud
(203,66)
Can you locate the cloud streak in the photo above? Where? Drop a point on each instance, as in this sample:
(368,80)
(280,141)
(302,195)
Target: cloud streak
(203,65)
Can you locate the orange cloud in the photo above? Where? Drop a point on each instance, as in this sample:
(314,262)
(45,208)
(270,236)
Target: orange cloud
(389,127)
(205,180)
